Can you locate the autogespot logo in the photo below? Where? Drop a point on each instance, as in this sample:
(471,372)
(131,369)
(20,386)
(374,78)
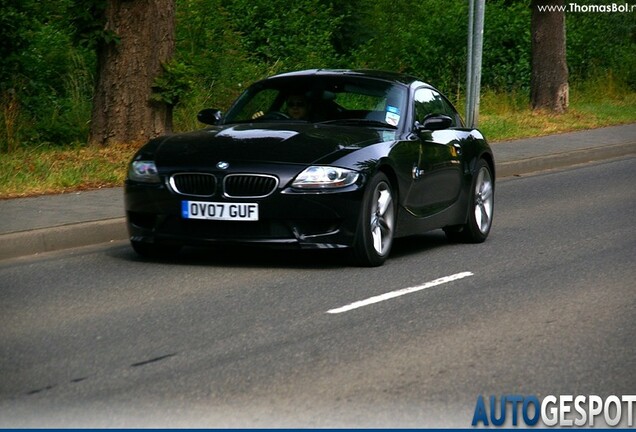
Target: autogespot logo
(563,410)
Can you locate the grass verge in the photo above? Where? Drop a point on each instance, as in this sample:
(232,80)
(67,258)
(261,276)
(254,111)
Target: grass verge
(504,116)
(507,116)
(47,169)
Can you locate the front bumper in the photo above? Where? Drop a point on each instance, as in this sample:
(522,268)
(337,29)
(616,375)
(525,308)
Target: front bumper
(286,218)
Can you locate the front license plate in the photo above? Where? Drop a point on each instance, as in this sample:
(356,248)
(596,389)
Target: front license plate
(219,211)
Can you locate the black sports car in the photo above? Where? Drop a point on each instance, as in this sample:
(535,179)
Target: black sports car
(315,159)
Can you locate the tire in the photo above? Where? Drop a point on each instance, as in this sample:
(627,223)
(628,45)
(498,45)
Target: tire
(480,211)
(154,251)
(376,224)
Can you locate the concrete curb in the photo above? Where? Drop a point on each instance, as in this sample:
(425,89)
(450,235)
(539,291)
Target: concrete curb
(562,160)
(21,243)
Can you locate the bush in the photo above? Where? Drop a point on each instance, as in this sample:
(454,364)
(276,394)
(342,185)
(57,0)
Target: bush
(47,82)
(48,63)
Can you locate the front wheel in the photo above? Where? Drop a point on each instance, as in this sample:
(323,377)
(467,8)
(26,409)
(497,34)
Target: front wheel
(376,224)
(480,212)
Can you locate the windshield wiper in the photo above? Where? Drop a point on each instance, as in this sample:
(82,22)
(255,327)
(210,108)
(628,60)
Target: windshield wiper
(366,122)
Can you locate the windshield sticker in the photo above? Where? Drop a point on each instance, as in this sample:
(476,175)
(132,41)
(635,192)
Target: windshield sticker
(392,118)
(392,109)
(388,135)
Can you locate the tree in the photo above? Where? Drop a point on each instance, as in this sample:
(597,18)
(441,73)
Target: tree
(549,80)
(138,40)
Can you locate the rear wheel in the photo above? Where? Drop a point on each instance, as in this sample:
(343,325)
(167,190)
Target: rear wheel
(480,213)
(376,225)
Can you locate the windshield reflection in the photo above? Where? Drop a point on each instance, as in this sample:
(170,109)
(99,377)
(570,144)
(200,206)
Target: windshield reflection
(346,100)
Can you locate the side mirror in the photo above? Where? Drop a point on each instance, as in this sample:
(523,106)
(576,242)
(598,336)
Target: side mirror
(435,122)
(210,116)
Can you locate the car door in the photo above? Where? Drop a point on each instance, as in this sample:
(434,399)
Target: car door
(437,175)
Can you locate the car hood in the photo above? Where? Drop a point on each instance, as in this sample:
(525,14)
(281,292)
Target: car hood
(300,143)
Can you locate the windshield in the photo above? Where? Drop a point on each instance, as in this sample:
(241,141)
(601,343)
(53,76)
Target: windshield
(348,100)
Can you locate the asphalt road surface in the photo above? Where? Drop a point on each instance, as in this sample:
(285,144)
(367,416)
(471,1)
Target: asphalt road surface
(250,338)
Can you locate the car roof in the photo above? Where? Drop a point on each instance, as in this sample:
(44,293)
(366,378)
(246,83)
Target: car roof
(395,77)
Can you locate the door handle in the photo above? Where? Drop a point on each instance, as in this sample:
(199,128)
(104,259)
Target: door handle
(417,173)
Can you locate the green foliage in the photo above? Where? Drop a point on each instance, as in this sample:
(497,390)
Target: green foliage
(46,84)
(225,45)
(507,54)
(173,83)
(602,42)
(425,38)
(88,23)
(16,24)
(295,34)
(48,53)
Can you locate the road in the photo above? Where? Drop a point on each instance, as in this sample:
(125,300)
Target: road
(97,337)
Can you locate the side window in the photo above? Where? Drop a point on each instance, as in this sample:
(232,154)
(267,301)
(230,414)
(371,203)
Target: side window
(450,111)
(428,101)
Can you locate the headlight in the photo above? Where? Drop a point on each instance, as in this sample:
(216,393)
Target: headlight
(325,177)
(143,171)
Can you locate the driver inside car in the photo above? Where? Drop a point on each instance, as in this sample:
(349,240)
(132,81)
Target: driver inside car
(297,107)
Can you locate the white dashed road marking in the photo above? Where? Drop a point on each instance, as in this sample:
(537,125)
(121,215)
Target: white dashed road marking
(398,293)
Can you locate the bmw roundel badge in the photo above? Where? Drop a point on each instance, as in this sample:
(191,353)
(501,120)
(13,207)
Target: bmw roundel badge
(222,165)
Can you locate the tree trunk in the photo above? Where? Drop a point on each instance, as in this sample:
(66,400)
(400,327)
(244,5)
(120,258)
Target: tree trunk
(123,111)
(549,81)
